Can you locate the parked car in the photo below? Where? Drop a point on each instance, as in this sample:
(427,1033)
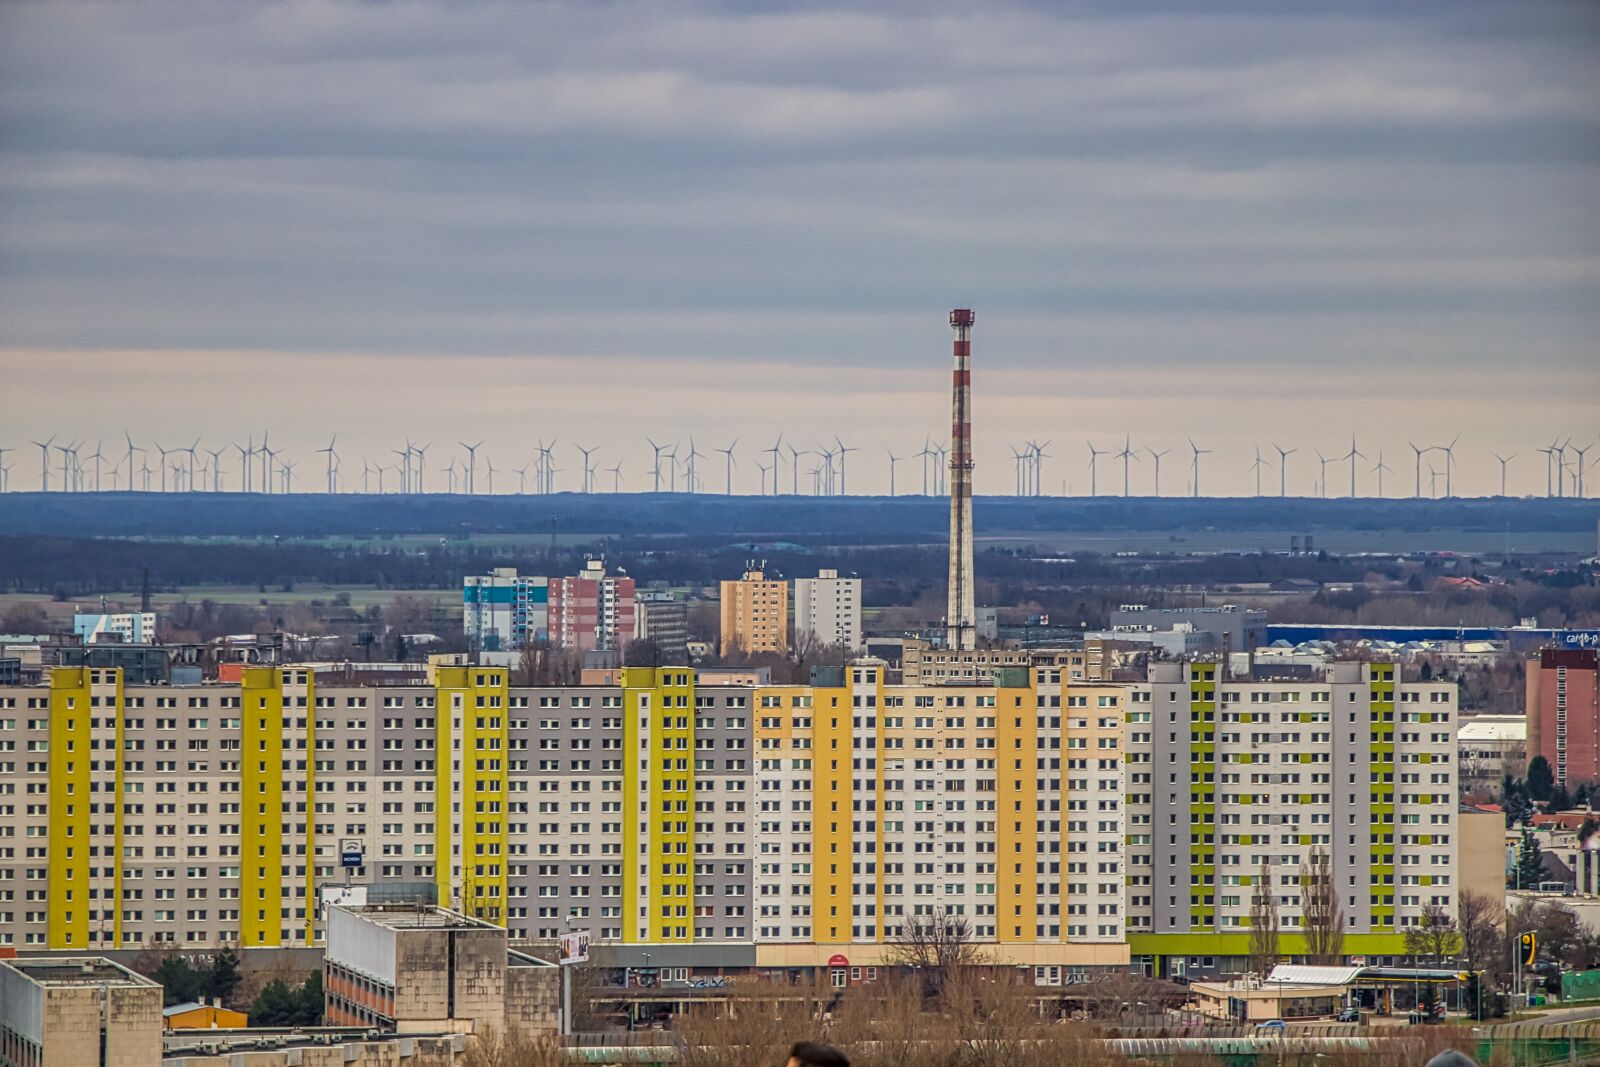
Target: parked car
(1348,1015)
(1275,1026)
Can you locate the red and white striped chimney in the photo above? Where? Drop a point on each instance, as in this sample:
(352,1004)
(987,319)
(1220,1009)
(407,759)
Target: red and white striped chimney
(961,613)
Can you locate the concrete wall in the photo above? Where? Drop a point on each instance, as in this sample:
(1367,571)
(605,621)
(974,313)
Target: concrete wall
(427,970)
(132,1025)
(1482,864)
(533,999)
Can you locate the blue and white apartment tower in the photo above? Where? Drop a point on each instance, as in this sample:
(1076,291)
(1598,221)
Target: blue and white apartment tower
(503,611)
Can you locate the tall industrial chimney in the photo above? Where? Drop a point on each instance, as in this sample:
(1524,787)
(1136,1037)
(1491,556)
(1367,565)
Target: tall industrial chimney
(961,612)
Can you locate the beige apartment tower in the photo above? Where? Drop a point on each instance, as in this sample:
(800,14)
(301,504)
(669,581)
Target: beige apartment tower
(755,614)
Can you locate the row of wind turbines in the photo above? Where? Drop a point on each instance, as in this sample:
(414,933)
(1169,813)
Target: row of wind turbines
(1564,475)
(674,468)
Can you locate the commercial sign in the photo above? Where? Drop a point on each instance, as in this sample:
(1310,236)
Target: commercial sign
(350,853)
(575,947)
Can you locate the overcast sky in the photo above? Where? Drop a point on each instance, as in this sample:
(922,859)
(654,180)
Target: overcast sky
(1244,223)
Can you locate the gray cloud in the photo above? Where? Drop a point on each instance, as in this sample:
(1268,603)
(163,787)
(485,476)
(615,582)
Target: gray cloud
(1147,189)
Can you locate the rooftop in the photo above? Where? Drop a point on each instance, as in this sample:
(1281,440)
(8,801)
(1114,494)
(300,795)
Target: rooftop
(416,917)
(76,971)
(1492,728)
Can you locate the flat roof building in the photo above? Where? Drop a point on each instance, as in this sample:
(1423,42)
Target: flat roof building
(77,1010)
(418,968)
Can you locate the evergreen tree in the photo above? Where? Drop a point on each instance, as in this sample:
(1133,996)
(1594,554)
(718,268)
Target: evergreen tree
(309,1001)
(1530,862)
(181,983)
(1541,780)
(274,1006)
(222,977)
(1559,800)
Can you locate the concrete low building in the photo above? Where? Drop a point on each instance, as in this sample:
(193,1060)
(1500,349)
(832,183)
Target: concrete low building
(77,1010)
(1490,747)
(197,1016)
(419,969)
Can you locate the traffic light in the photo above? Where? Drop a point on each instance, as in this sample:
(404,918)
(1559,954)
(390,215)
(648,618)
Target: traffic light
(1530,947)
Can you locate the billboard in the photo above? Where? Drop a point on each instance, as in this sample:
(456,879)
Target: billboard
(575,947)
(351,853)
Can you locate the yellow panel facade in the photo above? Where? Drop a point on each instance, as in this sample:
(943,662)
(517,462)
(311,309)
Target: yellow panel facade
(70,802)
(261,808)
(472,797)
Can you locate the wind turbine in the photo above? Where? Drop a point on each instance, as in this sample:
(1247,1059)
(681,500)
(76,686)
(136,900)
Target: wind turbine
(728,486)
(44,463)
(1126,455)
(1322,484)
(586,467)
(132,448)
(893,459)
(1283,468)
(97,457)
(1503,461)
(245,452)
(1016,462)
(191,450)
(4,469)
(694,453)
(1157,457)
(763,468)
(216,467)
(422,466)
(941,471)
(1195,463)
(1094,460)
(776,445)
(403,468)
(843,452)
(656,470)
(450,473)
(1420,452)
(616,477)
(487,462)
(288,476)
(547,461)
(472,467)
(331,454)
(267,456)
(1577,471)
(1351,456)
(1379,468)
(164,453)
(1449,464)
(926,455)
(794,466)
(828,473)
(1256,466)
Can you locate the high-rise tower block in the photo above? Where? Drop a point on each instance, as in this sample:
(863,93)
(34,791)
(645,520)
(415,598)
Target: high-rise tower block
(961,612)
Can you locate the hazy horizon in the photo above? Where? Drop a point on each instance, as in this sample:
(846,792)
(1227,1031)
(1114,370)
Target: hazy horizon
(1241,223)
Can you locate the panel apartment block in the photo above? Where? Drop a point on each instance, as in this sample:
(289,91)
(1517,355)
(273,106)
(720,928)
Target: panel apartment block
(1068,821)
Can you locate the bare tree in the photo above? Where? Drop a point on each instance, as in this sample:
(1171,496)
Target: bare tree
(1264,928)
(1481,922)
(1321,916)
(758,1028)
(1434,937)
(935,947)
(512,1048)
